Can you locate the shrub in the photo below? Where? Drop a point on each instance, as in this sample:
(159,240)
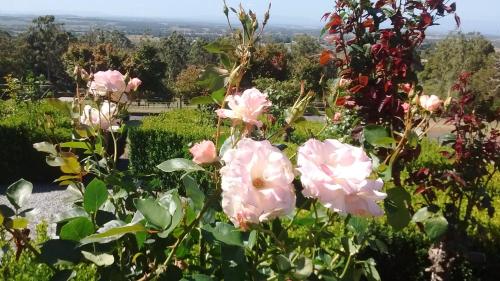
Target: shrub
(23,124)
(166,136)
(25,268)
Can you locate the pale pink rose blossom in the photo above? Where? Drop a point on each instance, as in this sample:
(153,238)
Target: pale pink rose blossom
(133,84)
(337,117)
(406,107)
(256,183)
(110,81)
(204,152)
(430,103)
(337,175)
(246,107)
(103,118)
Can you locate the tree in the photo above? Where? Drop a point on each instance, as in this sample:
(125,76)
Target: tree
(116,38)
(452,56)
(11,60)
(148,66)
(186,85)
(270,61)
(305,45)
(46,42)
(198,55)
(174,53)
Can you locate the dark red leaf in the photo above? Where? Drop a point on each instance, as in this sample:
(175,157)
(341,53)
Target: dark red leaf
(326,57)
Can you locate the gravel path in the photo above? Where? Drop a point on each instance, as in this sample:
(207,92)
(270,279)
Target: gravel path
(47,199)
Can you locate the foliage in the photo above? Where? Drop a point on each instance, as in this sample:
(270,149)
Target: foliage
(20,126)
(186,86)
(453,55)
(100,36)
(147,65)
(163,137)
(174,51)
(46,42)
(30,88)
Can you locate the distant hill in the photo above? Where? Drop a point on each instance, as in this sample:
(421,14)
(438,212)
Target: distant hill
(136,27)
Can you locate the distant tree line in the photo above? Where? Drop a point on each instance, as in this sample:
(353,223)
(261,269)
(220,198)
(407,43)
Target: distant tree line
(168,66)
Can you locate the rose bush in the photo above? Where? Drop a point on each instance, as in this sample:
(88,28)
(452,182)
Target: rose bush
(263,215)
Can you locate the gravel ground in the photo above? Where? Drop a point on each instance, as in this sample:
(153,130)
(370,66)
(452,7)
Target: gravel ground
(46,200)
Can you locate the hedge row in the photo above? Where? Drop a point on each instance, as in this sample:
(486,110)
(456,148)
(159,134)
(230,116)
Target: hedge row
(166,136)
(21,125)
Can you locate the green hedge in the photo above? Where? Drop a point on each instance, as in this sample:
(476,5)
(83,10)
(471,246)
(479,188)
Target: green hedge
(166,136)
(21,125)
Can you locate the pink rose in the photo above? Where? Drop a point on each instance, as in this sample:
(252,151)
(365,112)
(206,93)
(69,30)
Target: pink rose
(204,152)
(337,175)
(133,84)
(430,103)
(256,183)
(103,118)
(406,107)
(111,81)
(337,117)
(246,107)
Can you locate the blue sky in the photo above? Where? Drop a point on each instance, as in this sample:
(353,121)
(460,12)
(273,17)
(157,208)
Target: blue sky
(477,15)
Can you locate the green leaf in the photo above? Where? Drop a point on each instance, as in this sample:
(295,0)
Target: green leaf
(224,233)
(77,229)
(422,215)
(201,100)
(46,147)
(95,195)
(193,192)
(113,230)
(173,203)
(395,205)
(303,268)
(99,259)
(378,136)
(75,144)
(16,223)
(179,164)
(6,211)
(154,212)
(218,47)
(58,251)
(211,79)
(233,263)
(282,263)
(370,269)
(435,227)
(19,192)
(70,214)
(219,95)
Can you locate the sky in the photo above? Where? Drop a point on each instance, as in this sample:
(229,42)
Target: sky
(476,15)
